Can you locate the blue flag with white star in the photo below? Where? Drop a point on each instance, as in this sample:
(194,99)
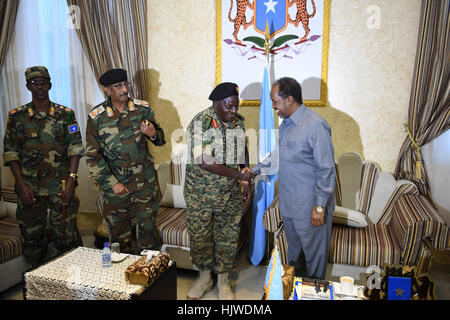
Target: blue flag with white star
(264,190)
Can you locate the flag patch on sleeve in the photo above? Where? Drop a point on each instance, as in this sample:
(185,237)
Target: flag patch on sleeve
(74,128)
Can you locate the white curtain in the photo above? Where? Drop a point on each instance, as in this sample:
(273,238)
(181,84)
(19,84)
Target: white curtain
(436,156)
(44,35)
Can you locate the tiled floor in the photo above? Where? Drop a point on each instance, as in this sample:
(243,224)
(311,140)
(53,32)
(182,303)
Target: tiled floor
(247,281)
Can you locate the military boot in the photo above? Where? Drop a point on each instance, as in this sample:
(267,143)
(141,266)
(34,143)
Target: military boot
(223,284)
(202,285)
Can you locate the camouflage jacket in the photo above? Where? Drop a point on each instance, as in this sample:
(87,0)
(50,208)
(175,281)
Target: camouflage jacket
(116,150)
(42,143)
(207,134)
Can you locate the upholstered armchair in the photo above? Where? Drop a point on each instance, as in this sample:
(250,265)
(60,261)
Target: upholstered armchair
(378,220)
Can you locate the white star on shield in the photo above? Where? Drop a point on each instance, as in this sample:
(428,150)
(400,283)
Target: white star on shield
(270,6)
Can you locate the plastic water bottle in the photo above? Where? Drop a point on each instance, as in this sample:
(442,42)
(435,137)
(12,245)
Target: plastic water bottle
(106,256)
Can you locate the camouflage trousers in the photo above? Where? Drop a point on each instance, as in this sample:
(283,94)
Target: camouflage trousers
(213,223)
(121,210)
(33,227)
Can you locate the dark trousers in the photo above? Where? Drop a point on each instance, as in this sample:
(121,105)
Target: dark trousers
(33,227)
(118,215)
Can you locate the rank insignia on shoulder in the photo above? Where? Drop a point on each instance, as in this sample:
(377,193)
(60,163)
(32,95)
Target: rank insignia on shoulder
(207,122)
(52,111)
(94,113)
(74,128)
(215,125)
(141,102)
(30,112)
(109,112)
(131,106)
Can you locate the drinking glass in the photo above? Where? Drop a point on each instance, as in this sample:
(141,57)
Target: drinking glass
(115,249)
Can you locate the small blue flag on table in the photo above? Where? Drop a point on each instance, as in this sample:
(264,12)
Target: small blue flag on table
(399,288)
(273,284)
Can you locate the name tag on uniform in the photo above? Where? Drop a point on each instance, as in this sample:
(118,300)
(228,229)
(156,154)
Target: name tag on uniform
(74,128)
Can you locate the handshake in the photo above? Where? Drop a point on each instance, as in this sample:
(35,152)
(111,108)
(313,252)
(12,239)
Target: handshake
(245,178)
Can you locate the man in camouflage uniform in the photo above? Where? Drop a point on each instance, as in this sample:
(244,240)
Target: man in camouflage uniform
(212,191)
(119,160)
(42,147)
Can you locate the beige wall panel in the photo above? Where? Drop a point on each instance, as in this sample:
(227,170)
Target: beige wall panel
(182,44)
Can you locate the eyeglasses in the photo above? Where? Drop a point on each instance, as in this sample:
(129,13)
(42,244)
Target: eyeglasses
(119,86)
(38,82)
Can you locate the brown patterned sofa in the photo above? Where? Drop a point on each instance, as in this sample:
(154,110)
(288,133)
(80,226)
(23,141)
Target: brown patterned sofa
(377,221)
(12,261)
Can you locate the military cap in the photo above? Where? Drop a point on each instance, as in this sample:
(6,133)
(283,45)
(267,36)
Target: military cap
(113,76)
(223,91)
(36,71)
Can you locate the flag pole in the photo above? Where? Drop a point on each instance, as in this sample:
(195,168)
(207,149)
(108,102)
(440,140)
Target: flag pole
(267,50)
(267,45)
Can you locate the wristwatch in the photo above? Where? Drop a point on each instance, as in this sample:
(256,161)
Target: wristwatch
(319,209)
(73,175)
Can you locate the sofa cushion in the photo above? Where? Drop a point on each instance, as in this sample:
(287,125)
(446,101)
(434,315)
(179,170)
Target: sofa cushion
(171,224)
(349,167)
(9,195)
(10,239)
(384,188)
(3,211)
(164,175)
(372,245)
(11,209)
(9,202)
(271,217)
(178,167)
(271,221)
(173,197)
(349,217)
(369,177)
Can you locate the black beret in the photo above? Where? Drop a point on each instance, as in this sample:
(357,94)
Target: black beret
(113,76)
(223,91)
